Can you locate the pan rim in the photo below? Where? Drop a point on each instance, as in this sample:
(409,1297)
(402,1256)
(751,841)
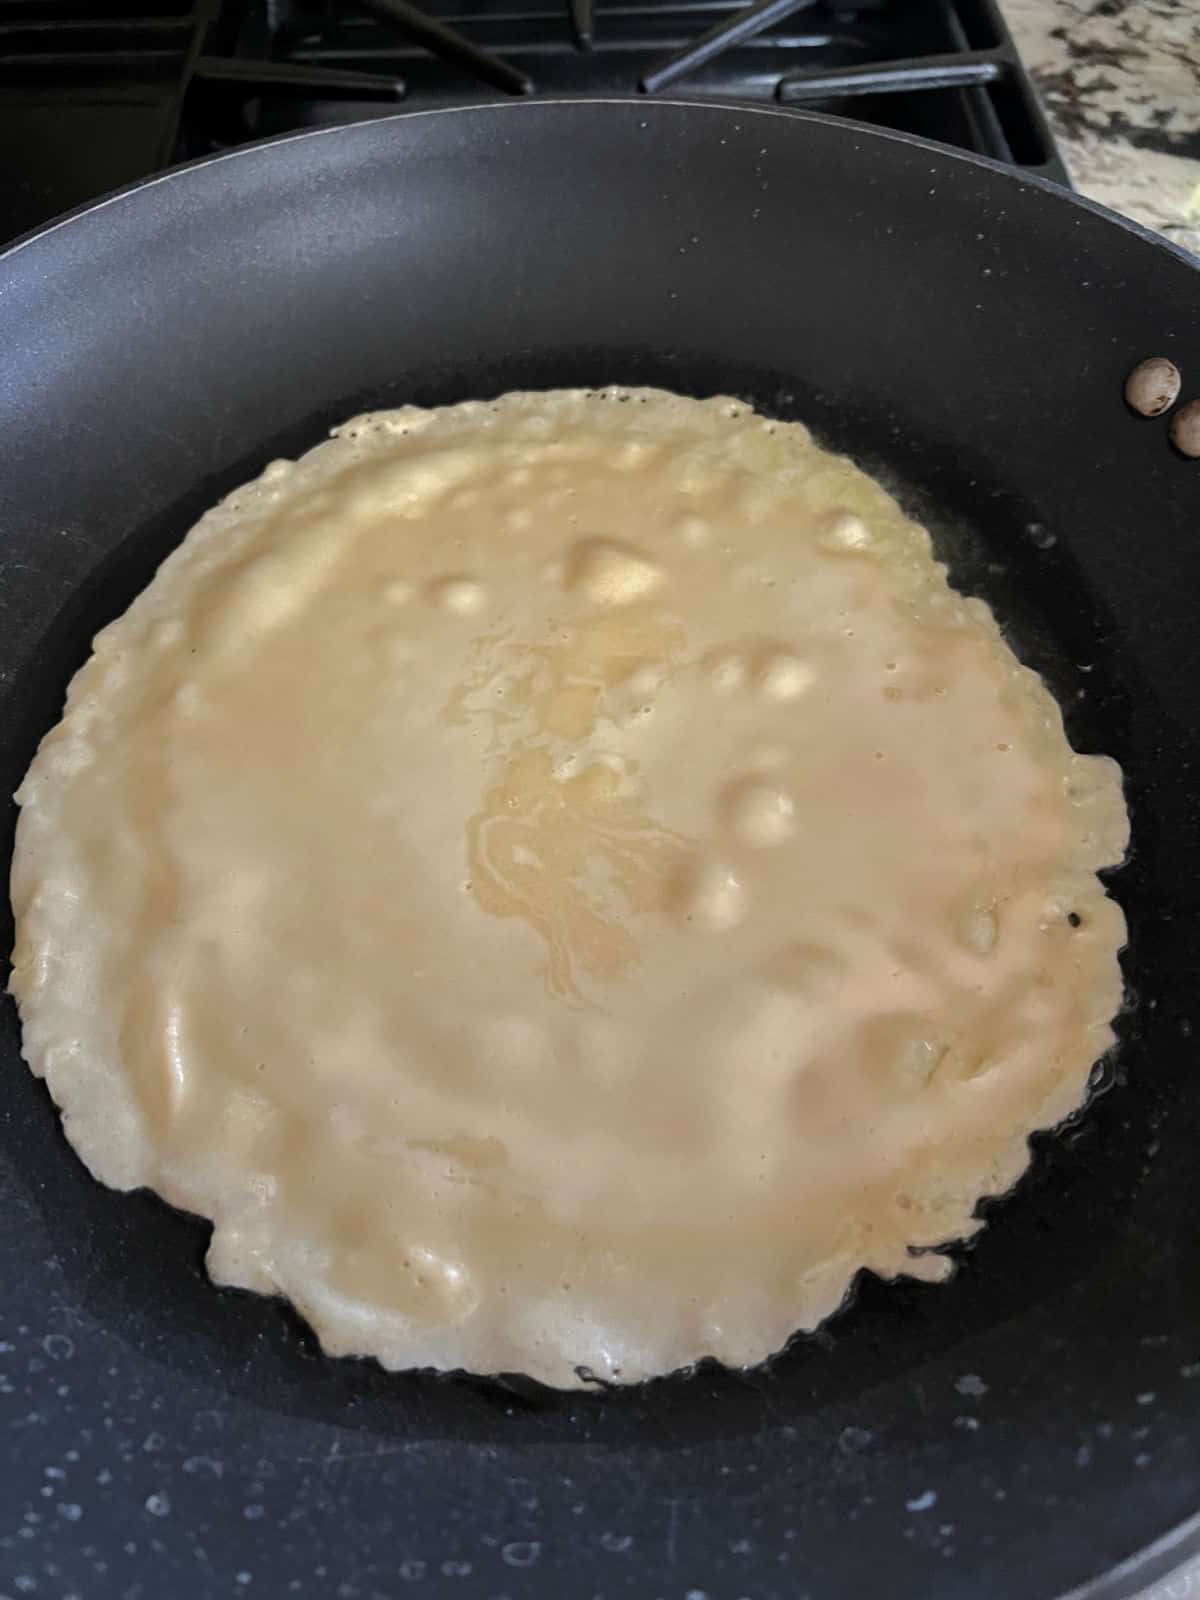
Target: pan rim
(1157,1559)
(527,107)
(1157,1562)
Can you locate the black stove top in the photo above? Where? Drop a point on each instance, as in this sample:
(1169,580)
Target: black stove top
(97,93)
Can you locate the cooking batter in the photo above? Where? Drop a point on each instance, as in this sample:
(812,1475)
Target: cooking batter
(563,883)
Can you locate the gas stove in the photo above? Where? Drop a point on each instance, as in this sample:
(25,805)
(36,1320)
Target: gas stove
(98,93)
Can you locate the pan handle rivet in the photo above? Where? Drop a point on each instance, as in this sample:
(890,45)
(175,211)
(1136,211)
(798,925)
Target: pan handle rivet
(1152,387)
(1185,430)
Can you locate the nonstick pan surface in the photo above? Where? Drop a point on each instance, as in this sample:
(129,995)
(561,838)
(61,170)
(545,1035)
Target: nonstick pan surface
(965,332)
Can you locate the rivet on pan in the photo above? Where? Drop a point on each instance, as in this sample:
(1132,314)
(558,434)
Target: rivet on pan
(1152,387)
(1185,430)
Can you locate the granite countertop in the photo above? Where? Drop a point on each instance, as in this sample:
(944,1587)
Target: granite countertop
(1120,81)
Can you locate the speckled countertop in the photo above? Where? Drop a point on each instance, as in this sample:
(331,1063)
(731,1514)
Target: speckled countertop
(1120,80)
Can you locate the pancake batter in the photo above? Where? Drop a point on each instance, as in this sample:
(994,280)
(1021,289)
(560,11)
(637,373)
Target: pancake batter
(562,884)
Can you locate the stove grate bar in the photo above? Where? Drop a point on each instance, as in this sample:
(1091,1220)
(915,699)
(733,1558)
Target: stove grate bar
(448,44)
(291,77)
(743,25)
(966,70)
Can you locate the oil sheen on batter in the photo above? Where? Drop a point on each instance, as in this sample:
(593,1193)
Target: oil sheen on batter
(563,883)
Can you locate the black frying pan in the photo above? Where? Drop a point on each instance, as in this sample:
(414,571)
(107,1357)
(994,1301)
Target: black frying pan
(963,331)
